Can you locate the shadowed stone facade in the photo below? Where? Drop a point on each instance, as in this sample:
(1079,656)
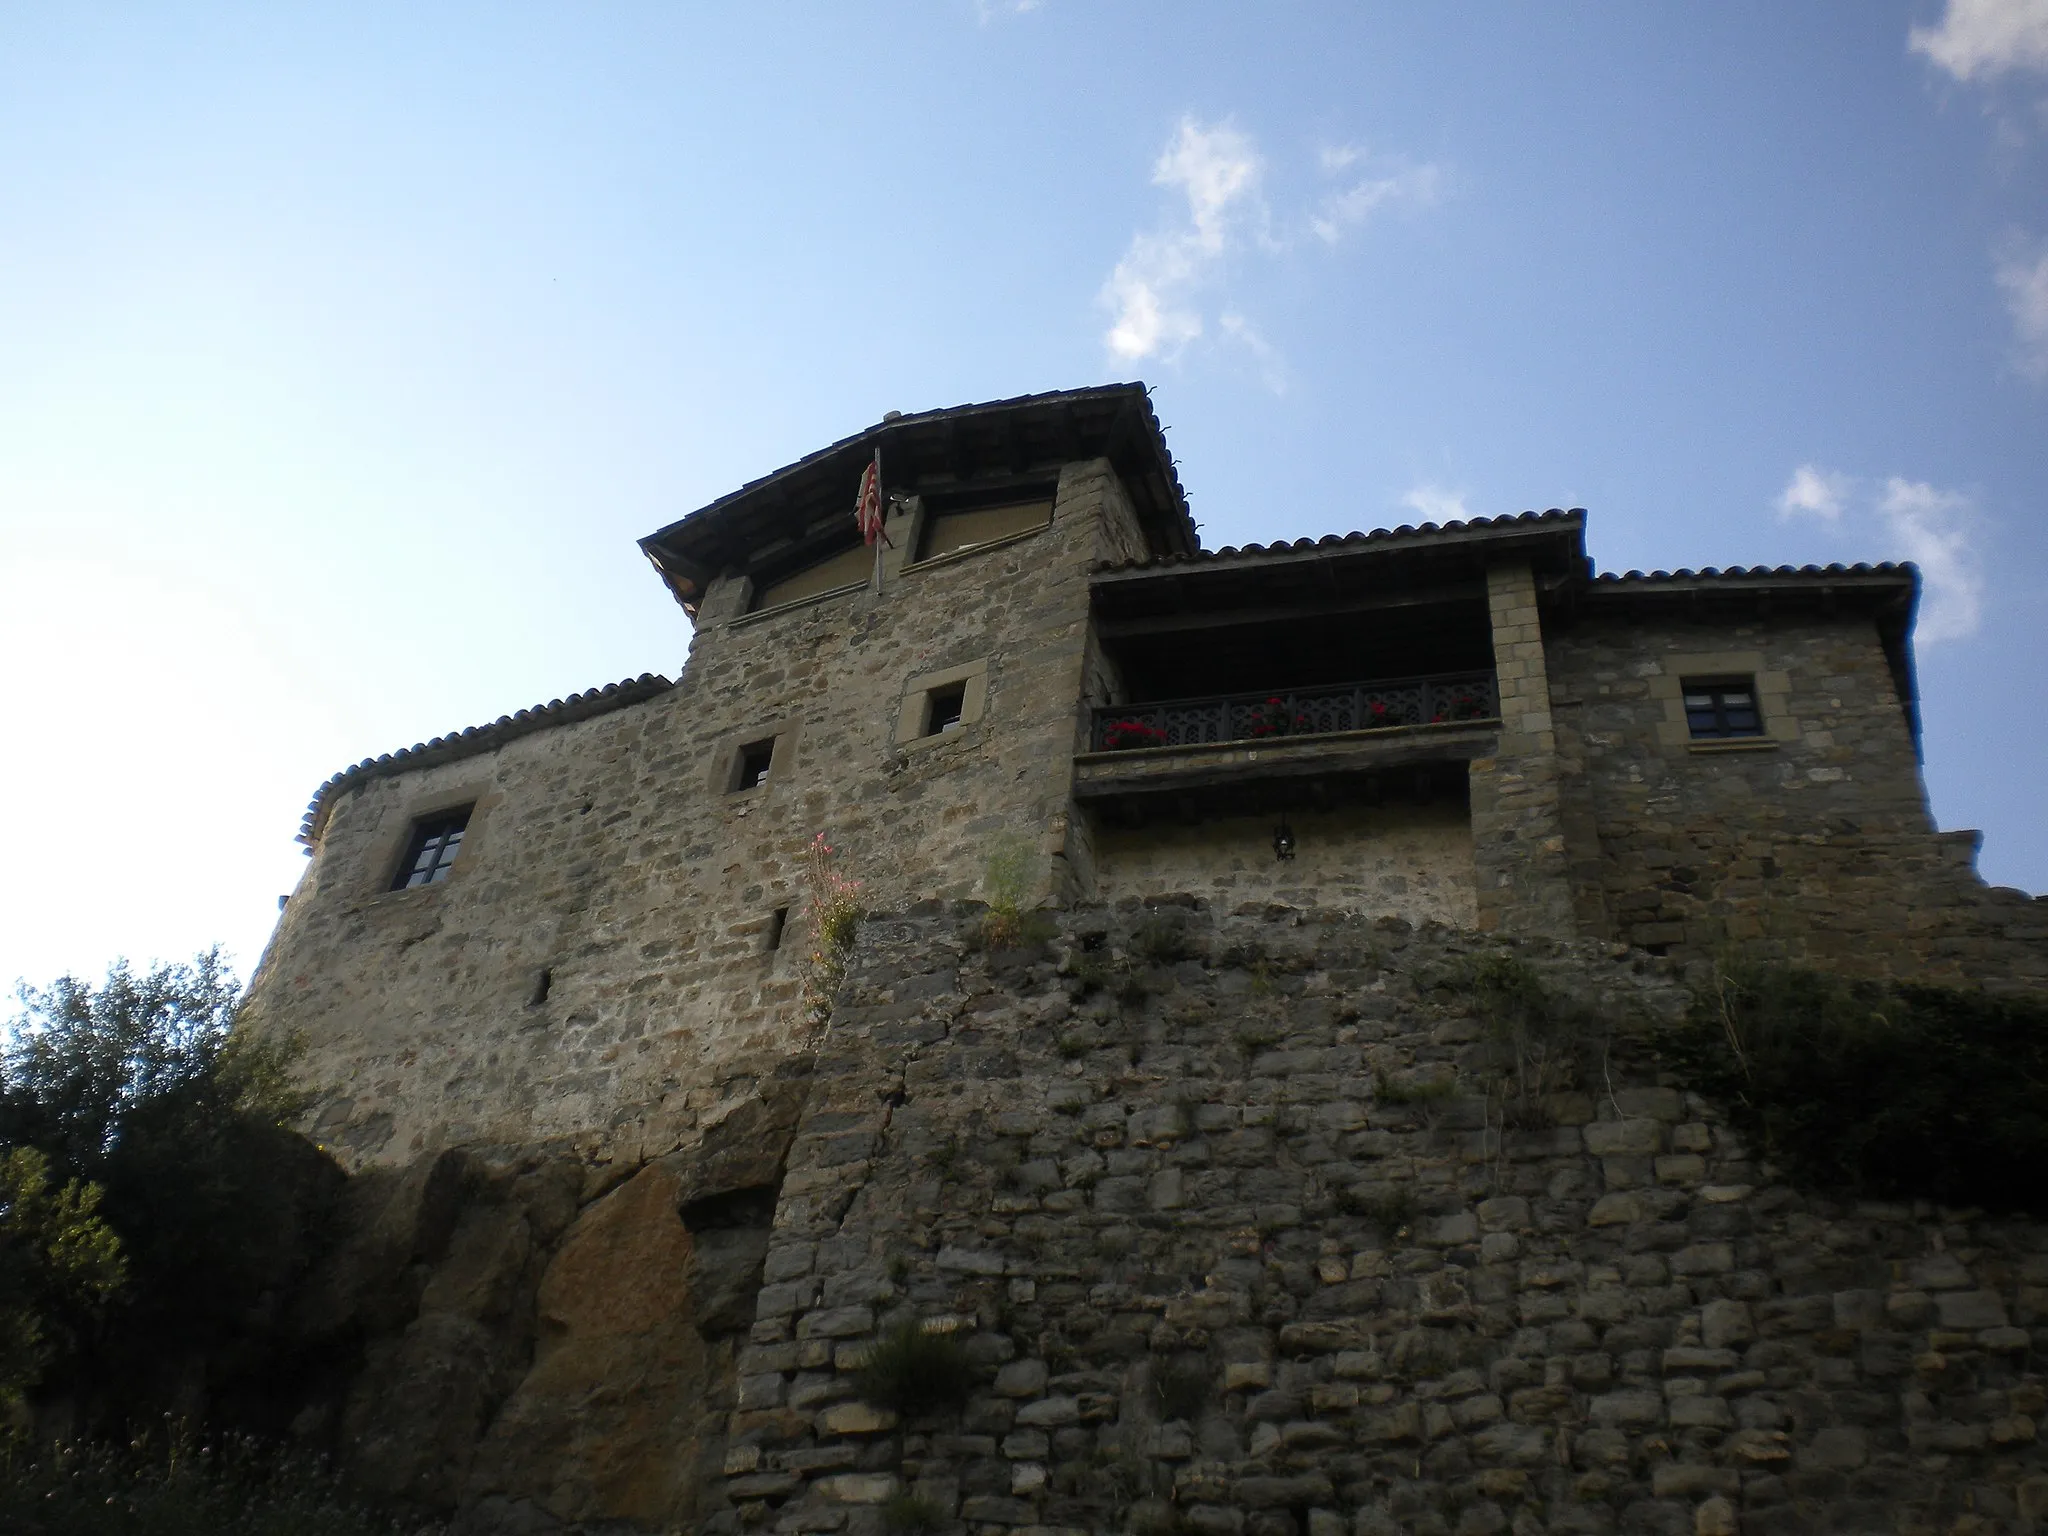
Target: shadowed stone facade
(627,1213)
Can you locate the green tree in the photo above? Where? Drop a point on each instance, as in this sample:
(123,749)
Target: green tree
(58,1262)
(142,1087)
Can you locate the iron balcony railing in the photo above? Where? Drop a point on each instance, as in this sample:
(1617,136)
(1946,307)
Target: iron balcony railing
(1438,699)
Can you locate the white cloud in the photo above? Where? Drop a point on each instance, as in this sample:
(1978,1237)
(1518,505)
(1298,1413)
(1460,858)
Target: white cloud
(1934,530)
(1353,205)
(1220,212)
(1986,37)
(1149,294)
(1813,492)
(2024,279)
(990,10)
(1435,504)
(1217,168)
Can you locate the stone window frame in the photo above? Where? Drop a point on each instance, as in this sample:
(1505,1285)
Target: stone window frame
(724,778)
(1773,701)
(913,713)
(392,845)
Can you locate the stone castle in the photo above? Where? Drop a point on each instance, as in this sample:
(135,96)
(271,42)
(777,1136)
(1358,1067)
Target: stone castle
(627,1215)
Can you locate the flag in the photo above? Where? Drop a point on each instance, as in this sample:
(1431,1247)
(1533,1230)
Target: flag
(867,509)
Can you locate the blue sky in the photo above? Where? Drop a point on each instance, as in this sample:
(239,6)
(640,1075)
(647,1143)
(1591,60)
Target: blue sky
(344,351)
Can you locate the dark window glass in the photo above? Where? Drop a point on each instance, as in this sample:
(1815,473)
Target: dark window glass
(431,854)
(944,712)
(1718,709)
(755,759)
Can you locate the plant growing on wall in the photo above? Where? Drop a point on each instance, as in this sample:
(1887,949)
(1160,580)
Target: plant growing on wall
(1890,1090)
(912,1370)
(1006,881)
(832,902)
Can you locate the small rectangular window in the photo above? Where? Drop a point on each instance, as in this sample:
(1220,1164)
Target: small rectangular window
(430,854)
(943,708)
(1721,708)
(755,759)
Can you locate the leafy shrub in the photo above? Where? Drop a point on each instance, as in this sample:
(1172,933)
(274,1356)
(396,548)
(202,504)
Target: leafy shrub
(914,1371)
(1891,1091)
(156,1488)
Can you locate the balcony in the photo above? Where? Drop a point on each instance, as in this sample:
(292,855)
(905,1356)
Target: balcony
(1349,743)
(1447,698)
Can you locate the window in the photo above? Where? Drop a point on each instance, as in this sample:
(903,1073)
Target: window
(938,706)
(845,569)
(430,853)
(944,707)
(947,533)
(755,759)
(1721,708)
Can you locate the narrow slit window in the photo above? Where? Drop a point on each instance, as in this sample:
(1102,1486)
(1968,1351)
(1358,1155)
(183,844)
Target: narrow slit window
(431,852)
(943,709)
(755,759)
(778,924)
(1721,708)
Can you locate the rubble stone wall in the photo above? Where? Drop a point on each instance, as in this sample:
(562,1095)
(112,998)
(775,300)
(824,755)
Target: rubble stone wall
(612,856)
(1410,859)
(1236,1243)
(1810,844)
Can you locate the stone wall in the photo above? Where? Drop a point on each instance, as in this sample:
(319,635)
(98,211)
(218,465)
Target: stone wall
(610,857)
(1223,1260)
(1410,860)
(1517,833)
(1811,843)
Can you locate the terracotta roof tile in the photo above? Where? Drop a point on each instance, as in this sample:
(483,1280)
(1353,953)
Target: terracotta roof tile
(477,739)
(1760,572)
(1339,540)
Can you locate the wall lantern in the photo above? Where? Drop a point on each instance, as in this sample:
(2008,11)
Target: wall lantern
(1283,840)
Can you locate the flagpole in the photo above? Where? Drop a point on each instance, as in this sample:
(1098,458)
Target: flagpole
(881,521)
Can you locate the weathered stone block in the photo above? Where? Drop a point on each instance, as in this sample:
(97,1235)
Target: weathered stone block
(1971,1309)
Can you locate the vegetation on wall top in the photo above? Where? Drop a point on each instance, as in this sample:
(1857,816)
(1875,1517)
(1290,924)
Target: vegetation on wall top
(1892,1091)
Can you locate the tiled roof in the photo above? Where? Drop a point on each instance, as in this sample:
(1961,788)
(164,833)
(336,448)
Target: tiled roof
(1761,573)
(479,738)
(1560,516)
(907,419)
(1116,420)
